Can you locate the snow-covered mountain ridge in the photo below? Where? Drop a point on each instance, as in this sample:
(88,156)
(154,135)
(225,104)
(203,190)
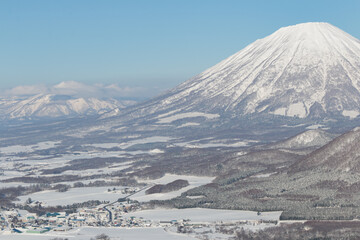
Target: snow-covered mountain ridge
(51,105)
(307,139)
(309,69)
(341,154)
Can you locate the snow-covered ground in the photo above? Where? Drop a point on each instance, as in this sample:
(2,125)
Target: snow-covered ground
(125,145)
(350,113)
(175,117)
(10,174)
(204,215)
(36,163)
(188,124)
(114,233)
(13,184)
(104,170)
(10,150)
(194,181)
(78,195)
(316,126)
(294,110)
(265,175)
(167,178)
(210,144)
(75,195)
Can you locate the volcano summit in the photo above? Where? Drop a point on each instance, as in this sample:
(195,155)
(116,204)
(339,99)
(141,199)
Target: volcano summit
(305,70)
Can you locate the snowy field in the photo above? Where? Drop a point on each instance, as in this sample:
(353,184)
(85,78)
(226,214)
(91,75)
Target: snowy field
(210,144)
(106,170)
(178,116)
(13,184)
(167,178)
(194,181)
(75,195)
(10,174)
(79,195)
(188,124)
(124,145)
(114,233)
(36,163)
(10,150)
(204,215)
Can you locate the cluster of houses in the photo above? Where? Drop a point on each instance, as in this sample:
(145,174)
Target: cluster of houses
(117,214)
(110,215)
(20,221)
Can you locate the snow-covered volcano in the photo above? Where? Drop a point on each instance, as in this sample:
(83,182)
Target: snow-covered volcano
(309,69)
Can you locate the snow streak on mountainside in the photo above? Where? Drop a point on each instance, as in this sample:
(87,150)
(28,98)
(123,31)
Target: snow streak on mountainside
(309,69)
(309,138)
(50,105)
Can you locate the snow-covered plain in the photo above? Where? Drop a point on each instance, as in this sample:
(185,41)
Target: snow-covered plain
(79,195)
(167,178)
(36,163)
(105,170)
(175,117)
(10,174)
(125,145)
(189,124)
(316,126)
(114,233)
(203,215)
(211,144)
(10,150)
(75,195)
(194,181)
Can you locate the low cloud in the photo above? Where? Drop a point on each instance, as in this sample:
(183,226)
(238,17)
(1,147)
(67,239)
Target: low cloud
(26,90)
(77,89)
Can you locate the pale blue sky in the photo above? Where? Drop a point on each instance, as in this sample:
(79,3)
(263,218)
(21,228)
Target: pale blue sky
(144,43)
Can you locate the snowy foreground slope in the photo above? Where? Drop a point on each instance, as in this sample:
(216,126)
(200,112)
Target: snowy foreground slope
(114,233)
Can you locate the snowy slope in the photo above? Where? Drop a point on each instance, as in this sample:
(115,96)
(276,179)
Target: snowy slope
(309,138)
(51,105)
(309,69)
(341,154)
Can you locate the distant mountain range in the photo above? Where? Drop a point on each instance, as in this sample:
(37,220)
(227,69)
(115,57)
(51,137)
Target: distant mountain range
(54,106)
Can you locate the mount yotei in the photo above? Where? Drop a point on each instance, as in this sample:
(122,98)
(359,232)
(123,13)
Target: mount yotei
(300,77)
(306,70)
